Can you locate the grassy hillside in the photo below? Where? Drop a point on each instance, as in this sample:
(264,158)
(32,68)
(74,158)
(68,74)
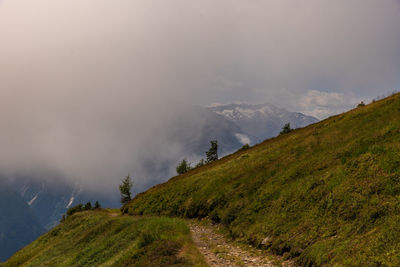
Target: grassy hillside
(325,194)
(103,239)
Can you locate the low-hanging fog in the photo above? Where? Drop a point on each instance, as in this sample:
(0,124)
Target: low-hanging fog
(88,87)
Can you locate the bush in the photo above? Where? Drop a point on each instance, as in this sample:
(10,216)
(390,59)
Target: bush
(75,209)
(79,208)
(362,104)
(243,148)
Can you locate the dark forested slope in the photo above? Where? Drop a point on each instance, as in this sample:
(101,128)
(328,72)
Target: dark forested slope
(18,226)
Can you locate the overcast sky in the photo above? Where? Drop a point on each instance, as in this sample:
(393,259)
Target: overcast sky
(84,82)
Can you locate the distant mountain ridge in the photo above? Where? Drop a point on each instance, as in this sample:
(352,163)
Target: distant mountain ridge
(50,199)
(48,202)
(18,224)
(200,125)
(262,120)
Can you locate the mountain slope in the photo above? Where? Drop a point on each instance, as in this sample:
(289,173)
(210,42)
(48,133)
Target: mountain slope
(18,226)
(102,238)
(325,194)
(262,120)
(50,198)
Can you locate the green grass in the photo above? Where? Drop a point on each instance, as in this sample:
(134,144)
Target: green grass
(99,238)
(327,194)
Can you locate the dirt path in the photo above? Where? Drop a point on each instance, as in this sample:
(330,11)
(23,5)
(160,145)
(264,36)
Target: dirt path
(219,252)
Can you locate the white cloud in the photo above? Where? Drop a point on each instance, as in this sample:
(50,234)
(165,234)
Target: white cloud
(242,138)
(323,104)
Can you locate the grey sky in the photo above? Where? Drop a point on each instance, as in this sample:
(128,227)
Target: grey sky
(84,83)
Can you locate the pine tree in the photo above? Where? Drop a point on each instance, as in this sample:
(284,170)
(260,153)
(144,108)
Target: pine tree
(125,190)
(88,206)
(212,153)
(183,167)
(286,129)
(97,205)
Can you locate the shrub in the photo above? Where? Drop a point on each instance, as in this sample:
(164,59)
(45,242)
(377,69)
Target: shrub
(75,209)
(362,104)
(243,148)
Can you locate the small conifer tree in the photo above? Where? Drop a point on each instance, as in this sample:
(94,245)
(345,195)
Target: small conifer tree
(183,167)
(97,205)
(88,206)
(212,153)
(125,190)
(286,129)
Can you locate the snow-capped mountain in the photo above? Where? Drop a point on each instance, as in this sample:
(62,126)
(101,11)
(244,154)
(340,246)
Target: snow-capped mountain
(262,120)
(199,125)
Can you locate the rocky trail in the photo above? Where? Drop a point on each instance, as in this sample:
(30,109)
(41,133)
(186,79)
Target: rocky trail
(220,252)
